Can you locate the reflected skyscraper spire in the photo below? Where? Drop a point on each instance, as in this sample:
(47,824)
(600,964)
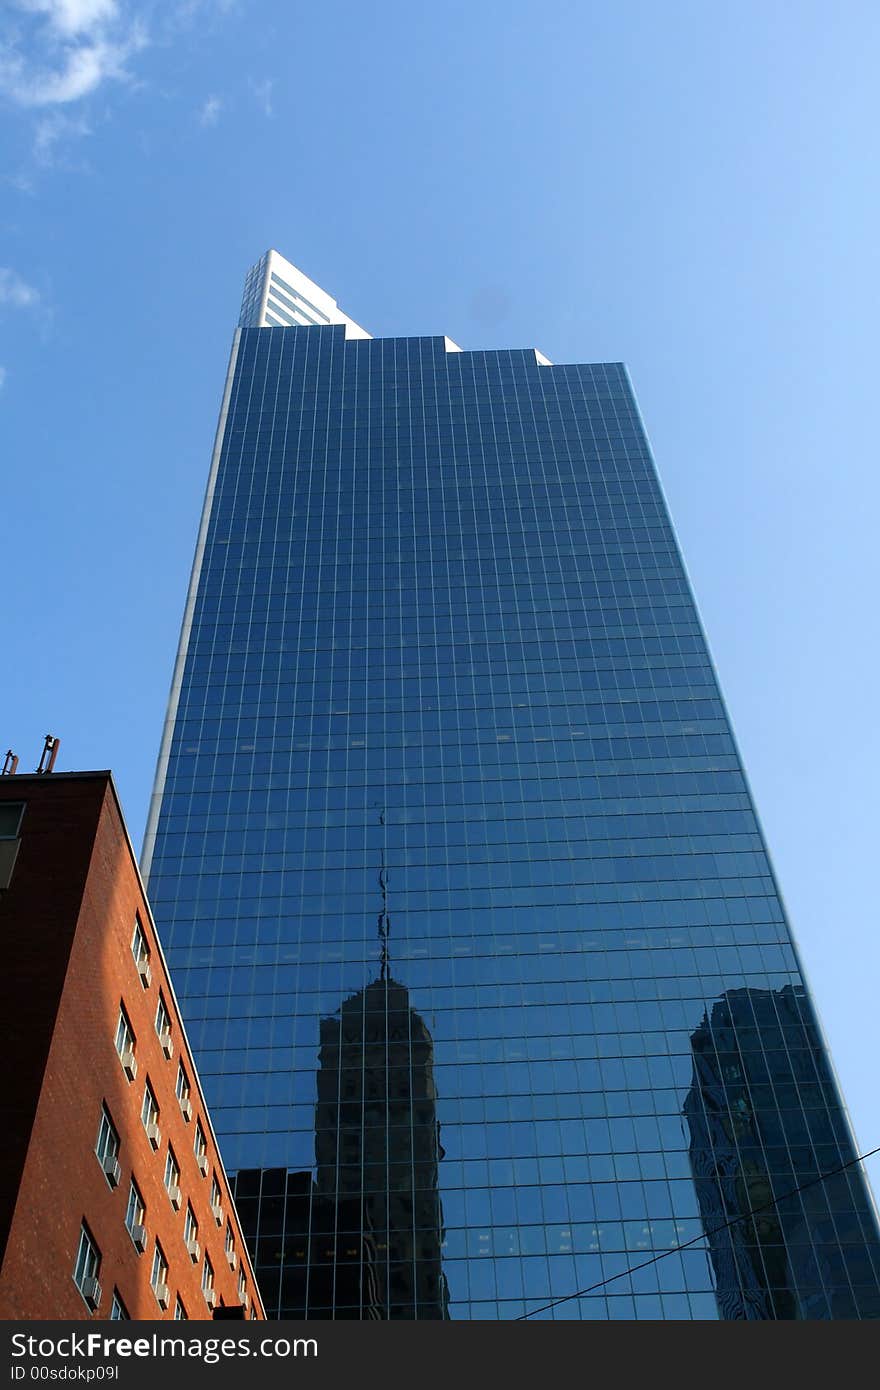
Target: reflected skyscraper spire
(377,1138)
(445,583)
(377,1144)
(364,1238)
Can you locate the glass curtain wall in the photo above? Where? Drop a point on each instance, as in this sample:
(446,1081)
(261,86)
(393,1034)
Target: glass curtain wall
(472,923)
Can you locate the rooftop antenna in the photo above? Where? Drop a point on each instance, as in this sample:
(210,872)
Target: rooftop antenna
(10,763)
(49,753)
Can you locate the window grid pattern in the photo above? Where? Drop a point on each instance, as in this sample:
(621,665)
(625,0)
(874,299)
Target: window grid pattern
(471,919)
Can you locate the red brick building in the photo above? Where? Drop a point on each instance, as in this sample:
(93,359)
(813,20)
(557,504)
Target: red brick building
(113,1199)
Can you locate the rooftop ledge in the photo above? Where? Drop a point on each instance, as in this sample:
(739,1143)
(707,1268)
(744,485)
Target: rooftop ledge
(279,295)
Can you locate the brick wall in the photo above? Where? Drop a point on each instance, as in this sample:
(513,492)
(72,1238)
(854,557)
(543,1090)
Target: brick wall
(74,823)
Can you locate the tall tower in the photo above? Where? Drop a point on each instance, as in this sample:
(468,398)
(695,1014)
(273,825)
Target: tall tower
(445,584)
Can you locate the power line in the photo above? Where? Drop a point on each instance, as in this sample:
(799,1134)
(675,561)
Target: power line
(705,1235)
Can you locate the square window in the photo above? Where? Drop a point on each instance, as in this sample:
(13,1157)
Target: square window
(11,813)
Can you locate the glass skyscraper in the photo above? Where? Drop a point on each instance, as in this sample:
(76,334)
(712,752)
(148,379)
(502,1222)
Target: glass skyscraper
(492,993)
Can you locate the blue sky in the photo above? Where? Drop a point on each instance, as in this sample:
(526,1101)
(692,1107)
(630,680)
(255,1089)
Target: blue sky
(689,187)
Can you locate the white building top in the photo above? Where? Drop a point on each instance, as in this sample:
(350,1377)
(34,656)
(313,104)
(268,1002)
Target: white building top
(277,295)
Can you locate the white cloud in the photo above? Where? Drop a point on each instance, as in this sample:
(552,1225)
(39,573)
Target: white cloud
(81,71)
(2,377)
(210,112)
(71,17)
(73,47)
(15,291)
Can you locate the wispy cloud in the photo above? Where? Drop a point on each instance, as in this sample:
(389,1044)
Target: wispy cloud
(2,377)
(71,17)
(209,113)
(15,291)
(69,50)
(54,129)
(56,56)
(262,90)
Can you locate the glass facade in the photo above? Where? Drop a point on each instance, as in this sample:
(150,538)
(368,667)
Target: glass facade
(472,924)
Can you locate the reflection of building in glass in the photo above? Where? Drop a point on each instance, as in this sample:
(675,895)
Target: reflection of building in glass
(377,1142)
(363,1240)
(445,583)
(315,1261)
(763,1121)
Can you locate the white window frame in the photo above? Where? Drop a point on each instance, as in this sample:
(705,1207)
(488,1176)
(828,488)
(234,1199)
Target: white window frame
(200,1145)
(125,1040)
(135,1209)
(171,1176)
(158,1268)
(163,1020)
(87,1264)
(149,1107)
(140,947)
(107,1142)
(190,1225)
